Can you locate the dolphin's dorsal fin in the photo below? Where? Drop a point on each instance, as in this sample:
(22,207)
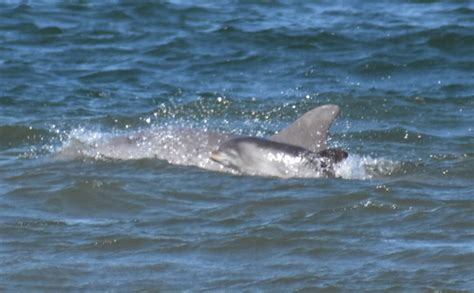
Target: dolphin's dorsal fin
(310,130)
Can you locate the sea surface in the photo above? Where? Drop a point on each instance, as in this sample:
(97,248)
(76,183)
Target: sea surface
(75,75)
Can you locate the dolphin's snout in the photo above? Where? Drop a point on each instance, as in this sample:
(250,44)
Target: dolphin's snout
(216,156)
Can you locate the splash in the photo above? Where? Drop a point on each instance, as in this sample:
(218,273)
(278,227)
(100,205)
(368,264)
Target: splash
(364,167)
(81,143)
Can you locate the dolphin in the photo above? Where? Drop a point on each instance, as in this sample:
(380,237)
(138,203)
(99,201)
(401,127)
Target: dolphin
(299,149)
(289,152)
(259,156)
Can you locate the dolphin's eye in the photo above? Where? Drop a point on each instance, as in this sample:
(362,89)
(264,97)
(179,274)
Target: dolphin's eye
(233,153)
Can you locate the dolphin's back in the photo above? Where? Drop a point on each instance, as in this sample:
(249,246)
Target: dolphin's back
(310,131)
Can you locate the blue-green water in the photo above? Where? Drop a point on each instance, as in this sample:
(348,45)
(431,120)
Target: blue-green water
(76,73)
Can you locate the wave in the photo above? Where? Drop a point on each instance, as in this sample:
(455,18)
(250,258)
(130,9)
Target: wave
(18,135)
(305,38)
(393,134)
(448,38)
(110,76)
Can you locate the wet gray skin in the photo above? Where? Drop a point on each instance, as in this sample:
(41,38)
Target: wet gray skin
(254,155)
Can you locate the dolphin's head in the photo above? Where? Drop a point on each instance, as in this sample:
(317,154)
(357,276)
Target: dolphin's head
(254,155)
(228,154)
(244,154)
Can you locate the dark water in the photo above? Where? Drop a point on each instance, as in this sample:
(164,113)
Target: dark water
(76,72)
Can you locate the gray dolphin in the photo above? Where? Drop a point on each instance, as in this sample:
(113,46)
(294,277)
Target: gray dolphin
(298,149)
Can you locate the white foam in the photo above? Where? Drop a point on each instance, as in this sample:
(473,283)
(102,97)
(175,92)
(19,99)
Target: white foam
(81,143)
(364,167)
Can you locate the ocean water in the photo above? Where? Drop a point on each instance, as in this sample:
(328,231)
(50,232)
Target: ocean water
(76,75)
